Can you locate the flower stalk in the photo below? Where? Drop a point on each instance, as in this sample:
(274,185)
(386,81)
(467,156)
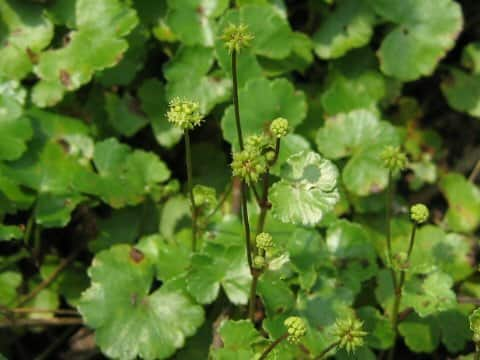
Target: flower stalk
(193,208)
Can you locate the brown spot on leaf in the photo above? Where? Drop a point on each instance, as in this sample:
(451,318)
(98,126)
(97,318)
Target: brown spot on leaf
(64,144)
(136,255)
(65,78)
(32,55)
(200,10)
(133,299)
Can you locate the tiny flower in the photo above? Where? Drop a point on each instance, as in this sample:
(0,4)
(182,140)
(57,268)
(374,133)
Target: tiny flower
(349,333)
(279,127)
(249,165)
(256,142)
(296,329)
(184,114)
(236,37)
(419,213)
(393,158)
(264,241)
(259,261)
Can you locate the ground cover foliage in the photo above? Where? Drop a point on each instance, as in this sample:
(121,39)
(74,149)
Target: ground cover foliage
(249,179)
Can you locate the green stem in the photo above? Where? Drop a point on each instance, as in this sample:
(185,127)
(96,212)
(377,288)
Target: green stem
(28,229)
(246,226)
(477,353)
(221,202)
(188,156)
(327,350)
(388,225)
(272,346)
(235,99)
(253,296)
(398,294)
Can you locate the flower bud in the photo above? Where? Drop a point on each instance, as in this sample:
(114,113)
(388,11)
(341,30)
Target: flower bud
(393,158)
(236,37)
(349,333)
(184,114)
(279,127)
(296,329)
(419,213)
(264,241)
(259,261)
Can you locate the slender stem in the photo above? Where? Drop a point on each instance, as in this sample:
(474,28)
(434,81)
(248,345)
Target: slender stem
(235,99)
(246,226)
(44,311)
(388,219)
(188,156)
(253,296)
(474,173)
(42,322)
(28,229)
(63,264)
(398,294)
(272,346)
(327,350)
(477,352)
(256,195)
(46,354)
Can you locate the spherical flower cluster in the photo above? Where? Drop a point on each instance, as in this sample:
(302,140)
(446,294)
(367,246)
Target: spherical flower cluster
(349,333)
(419,213)
(393,158)
(259,261)
(236,37)
(264,241)
(474,319)
(296,329)
(248,165)
(256,142)
(184,114)
(279,127)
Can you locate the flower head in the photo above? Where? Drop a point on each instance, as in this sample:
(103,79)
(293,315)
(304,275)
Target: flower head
(264,241)
(393,158)
(474,320)
(279,127)
(248,164)
(236,37)
(296,329)
(184,114)
(419,213)
(349,333)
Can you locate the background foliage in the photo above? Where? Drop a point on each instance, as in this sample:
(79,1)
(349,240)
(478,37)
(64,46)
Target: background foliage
(95,225)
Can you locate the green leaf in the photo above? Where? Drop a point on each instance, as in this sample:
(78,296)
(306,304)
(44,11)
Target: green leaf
(238,338)
(425,31)
(219,265)
(55,210)
(123,114)
(361,135)
(191,62)
(348,26)
(463,202)
(9,282)
(380,334)
(455,330)
(430,295)
(24,32)
(10,232)
(471,57)
(126,176)
(307,190)
(193,20)
(154,104)
(354,82)
(130,320)
(420,334)
(462,91)
(15,128)
(353,253)
(273,39)
(97,44)
(275,293)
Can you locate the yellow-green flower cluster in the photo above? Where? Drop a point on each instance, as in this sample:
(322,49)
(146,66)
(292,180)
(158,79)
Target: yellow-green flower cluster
(349,333)
(264,241)
(279,127)
(248,165)
(296,329)
(393,158)
(419,213)
(236,37)
(184,114)
(474,319)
